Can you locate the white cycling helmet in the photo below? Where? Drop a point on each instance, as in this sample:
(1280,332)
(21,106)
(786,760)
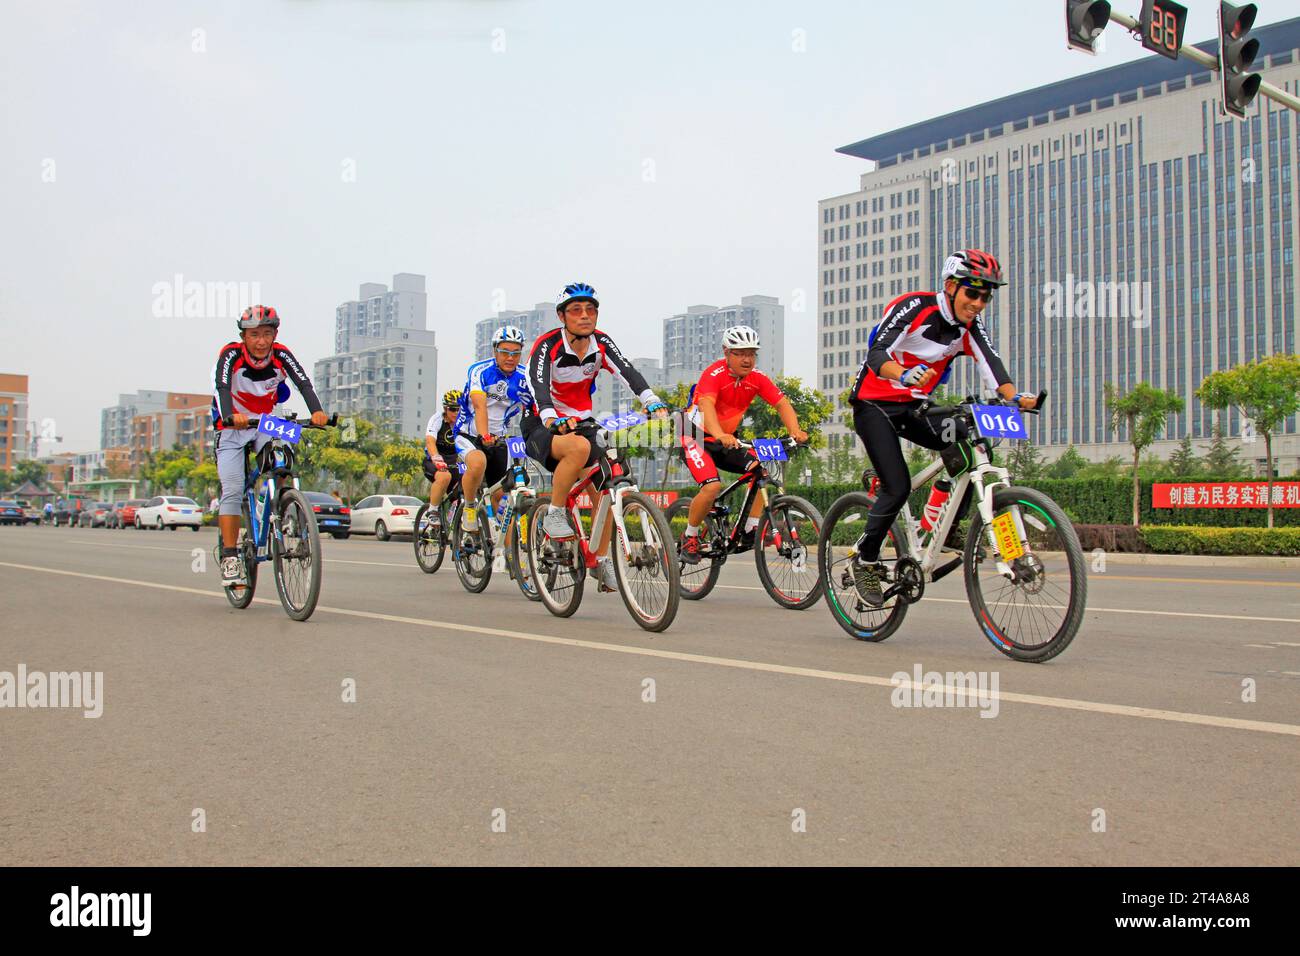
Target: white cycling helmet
(740,337)
(508,333)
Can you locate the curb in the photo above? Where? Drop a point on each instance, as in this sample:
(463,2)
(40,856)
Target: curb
(1200,560)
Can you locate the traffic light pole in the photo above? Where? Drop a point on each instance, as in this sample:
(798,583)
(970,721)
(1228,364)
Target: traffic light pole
(1211,62)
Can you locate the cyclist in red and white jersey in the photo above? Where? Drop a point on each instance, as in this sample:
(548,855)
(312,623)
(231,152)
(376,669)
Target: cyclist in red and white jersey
(722,396)
(562,373)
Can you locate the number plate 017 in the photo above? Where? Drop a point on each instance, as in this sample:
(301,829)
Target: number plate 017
(1004,529)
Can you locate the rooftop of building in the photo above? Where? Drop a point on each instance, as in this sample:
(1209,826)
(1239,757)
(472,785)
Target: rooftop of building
(1274,39)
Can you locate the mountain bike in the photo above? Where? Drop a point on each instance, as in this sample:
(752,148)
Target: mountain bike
(645,562)
(499,543)
(1024,572)
(785,541)
(278,522)
(430,538)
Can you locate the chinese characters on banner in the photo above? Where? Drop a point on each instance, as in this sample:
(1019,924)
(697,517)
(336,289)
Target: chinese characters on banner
(1225,494)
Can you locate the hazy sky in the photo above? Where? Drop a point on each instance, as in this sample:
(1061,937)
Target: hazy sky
(669,153)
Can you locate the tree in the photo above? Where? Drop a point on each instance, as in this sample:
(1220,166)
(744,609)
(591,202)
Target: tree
(347,465)
(1183,463)
(165,468)
(203,481)
(1024,461)
(28,470)
(1266,392)
(812,407)
(1221,460)
(1067,465)
(1143,412)
(919,458)
(402,462)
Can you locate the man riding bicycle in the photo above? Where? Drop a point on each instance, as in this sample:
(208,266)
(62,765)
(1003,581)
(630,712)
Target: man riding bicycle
(920,334)
(721,398)
(250,379)
(495,393)
(440,453)
(562,372)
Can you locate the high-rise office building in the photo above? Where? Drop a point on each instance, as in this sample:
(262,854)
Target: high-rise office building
(613,396)
(1146,238)
(540,318)
(386,369)
(693,339)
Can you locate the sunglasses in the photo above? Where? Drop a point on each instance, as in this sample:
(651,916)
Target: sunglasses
(510,352)
(582,308)
(983,295)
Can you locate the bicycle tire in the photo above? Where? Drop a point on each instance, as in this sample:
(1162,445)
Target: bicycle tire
(550,573)
(695,581)
(832,571)
(665,563)
(249,553)
(473,582)
(292,500)
(813,592)
(520,554)
(427,564)
(990,623)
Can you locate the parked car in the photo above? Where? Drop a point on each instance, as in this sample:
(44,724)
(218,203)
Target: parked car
(32,512)
(127,513)
(332,516)
(94,514)
(63,514)
(385,515)
(169,511)
(11,512)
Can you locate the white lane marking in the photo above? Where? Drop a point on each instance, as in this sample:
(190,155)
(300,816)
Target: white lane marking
(1107,610)
(1062,703)
(1267,647)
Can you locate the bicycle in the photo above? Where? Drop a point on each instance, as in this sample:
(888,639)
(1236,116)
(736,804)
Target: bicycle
(478,553)
(430,539)
(1019,542)
(284,532)
(645,564)
(788,528)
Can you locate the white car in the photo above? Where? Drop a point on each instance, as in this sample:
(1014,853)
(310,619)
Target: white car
(169,512)
(385,515)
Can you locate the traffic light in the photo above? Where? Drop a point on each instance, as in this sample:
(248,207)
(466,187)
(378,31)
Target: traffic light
(1236,54)
(1084,22)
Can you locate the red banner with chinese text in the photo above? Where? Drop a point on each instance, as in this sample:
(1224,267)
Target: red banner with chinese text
(1225,494)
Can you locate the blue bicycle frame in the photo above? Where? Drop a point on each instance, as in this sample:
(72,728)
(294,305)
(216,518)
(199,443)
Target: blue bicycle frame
(261,527)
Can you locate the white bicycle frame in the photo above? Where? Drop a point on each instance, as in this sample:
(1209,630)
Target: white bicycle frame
(609,506)
(986,477)
(497,520)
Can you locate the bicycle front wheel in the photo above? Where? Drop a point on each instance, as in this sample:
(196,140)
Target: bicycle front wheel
(521,556)
(695,580)
(844,525)
(786,549)
(1032,610)
(430,542)
(295,547)
(645,563)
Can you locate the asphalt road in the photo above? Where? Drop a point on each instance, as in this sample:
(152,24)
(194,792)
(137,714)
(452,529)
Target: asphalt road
(485,731)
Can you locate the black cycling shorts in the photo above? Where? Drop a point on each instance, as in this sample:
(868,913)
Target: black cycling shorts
(442,463)
(704,458)
(537,441)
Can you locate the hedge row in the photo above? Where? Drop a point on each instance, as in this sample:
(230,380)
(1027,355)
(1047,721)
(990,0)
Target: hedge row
(1223,541)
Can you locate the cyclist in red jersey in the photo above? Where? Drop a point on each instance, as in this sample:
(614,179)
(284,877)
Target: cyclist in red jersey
(722,396)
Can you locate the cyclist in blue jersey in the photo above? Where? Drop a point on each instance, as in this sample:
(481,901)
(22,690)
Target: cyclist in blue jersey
(495,393)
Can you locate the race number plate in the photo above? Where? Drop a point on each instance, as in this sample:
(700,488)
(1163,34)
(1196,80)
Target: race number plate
(1004,529)
(999,421)
(517,449)
(460,466)
(616,423)
(279,428)
(770,449)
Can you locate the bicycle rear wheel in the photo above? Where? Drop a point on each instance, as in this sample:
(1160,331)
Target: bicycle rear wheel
(837,545)
(295,549)
(558,568)
(430,542)
(521,556)
(471,552)
(786,552)
(242,597)
(695,580)
(645,563)
(1035,613)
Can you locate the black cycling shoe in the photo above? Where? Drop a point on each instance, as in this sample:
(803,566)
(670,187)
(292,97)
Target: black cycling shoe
(866,578)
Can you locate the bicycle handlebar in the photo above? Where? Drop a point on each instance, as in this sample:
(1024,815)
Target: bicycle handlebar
(291,417)
(928,408)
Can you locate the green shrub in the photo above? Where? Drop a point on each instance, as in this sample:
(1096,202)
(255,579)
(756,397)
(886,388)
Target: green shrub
(1184,539)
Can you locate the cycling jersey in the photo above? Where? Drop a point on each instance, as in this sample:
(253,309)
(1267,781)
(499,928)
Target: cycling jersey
(443,434)
(920,329)
(255,391)
(731,394)
(507,396)
(562,384)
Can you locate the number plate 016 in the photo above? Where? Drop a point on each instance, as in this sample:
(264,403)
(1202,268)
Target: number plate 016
(1004,529)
